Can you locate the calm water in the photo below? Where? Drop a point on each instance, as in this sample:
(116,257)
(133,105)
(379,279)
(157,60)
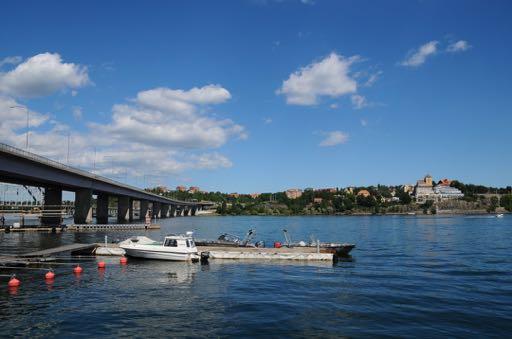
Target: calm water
(409,276)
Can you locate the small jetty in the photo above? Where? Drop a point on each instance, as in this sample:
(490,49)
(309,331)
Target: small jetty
(257,253)
(241,253)
(214,253)
(112,227)
(83,228)
(74,248)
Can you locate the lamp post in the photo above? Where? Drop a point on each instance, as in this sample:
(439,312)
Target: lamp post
(28,122)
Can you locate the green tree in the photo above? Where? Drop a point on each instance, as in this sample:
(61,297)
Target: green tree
(495,202)
(405,198)
(506,202)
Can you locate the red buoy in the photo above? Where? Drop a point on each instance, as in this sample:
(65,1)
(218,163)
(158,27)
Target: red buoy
(77,269)
(49,275)
(101,264)
(13,282)
(277,244)
(123,261)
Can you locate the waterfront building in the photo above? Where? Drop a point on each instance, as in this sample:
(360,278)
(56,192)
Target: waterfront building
(255,195)
(193,189)
(181,188)
(329,190)
(161,189)
(444,192)
(424,190)
(293,193)
(407,188)
(233,195)
(363,193)
(317,200)
(349,190)
(444,182)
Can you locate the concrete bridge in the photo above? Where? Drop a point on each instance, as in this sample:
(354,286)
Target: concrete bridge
(25,168)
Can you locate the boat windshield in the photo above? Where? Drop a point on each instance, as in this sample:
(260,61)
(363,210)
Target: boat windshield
(190,243)
(171,243)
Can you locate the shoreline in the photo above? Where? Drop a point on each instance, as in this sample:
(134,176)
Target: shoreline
(362,214)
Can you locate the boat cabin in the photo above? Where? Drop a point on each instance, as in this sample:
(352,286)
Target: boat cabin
(179,241)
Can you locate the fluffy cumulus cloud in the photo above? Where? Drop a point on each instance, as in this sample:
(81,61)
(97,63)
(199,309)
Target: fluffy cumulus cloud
(328,77)
(182,103)
(458,46)
(172,118)
(333,138)
(418,56)
(41,75)
(161,131)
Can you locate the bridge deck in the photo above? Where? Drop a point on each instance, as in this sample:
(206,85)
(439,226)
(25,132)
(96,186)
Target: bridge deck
(55,250)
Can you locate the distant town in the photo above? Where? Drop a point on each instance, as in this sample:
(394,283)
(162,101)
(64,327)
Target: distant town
(427,196)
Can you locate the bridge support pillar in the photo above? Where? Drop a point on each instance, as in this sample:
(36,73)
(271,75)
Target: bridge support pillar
(165,211)
(173,211)
(144,209)
(102,209)
(193,211)
(156,210)
(130,216)
(123,209)
(83,206)
(186,212)
(52,209)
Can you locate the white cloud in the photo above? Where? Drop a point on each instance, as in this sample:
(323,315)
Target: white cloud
(417,57)
(182,103)
(334,138)
(459,46)
(147,134)
(372,78)
(328,77)
(333,106)
(10,60)
(267,121)
(364,122)
(170,118)
(42,74)
(358,101)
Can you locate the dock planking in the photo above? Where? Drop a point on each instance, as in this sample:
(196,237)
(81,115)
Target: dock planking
(60,249)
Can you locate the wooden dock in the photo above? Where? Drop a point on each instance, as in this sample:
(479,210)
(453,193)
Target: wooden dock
(60,249)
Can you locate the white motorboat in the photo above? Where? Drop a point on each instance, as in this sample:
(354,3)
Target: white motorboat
(499,215)
(174,248)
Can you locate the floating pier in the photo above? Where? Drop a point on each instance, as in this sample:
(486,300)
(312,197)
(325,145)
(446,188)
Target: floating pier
(112,227)
(241,253)
(257,253)
(74,248)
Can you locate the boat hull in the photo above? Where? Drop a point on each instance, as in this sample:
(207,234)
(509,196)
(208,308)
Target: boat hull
(340,251)
(159,255)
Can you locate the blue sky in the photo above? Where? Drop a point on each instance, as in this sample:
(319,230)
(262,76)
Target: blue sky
(257,96)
